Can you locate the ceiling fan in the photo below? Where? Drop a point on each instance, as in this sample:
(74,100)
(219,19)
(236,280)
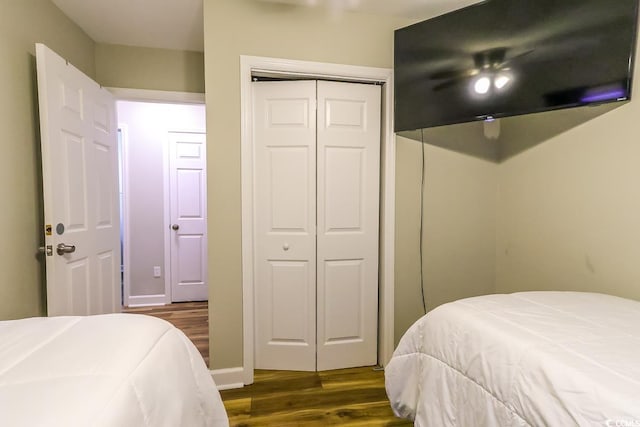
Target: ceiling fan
(490,67)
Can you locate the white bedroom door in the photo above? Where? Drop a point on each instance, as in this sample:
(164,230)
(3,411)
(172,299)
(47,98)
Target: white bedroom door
(187,188)
(80,185)
(316,224)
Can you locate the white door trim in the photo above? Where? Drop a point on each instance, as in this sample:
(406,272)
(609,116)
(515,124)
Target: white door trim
(160,96)
(126,254)
(164,96)
(284,67)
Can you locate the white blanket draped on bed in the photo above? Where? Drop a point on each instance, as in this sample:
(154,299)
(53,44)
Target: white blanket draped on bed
(109,370)
(531,358)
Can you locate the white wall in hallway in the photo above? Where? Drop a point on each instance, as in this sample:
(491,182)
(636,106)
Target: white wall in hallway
(146,128)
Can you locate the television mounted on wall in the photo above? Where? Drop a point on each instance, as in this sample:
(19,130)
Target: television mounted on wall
(502,58)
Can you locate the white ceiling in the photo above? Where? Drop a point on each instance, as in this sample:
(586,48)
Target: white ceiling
(169,24)
(178,24)
(412,9)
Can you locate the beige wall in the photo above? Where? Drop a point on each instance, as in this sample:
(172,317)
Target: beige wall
(147,68)
(22,24)
(408,295)
(459,229)
(245,27)
(569,209)
(459,226)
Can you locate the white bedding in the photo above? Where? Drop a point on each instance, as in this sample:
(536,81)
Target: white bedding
(531,358)
(108,370)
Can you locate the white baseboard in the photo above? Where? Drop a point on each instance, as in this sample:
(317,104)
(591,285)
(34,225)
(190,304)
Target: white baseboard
(228,378)
(147,300)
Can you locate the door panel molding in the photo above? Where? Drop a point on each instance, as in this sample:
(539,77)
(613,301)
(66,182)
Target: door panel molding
(316,70)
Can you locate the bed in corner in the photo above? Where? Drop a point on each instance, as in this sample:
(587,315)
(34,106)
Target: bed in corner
(523,359)
(107,370)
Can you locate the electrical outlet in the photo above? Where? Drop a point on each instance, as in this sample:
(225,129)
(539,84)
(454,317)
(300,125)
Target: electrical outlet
(156,271)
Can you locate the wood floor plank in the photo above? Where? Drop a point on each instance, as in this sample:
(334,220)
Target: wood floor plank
(315,399)
(351,378)
(348,397)
(276,383)
(192,318)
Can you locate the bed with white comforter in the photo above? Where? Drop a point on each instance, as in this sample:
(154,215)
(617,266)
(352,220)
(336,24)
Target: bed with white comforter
(524,359)
(108,370)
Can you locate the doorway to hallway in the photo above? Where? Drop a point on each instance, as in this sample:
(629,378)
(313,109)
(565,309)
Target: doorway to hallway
(163,202)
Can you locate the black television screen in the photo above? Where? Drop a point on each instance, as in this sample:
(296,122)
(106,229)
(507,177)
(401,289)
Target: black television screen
(503,58)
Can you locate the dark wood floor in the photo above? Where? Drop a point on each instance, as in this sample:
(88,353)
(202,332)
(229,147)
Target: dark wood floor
(346,397)
(191,317)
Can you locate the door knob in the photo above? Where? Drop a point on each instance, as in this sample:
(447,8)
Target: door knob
(175,227)
(65,249)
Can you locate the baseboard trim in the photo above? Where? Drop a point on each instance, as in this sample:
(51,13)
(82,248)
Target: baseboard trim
(228,378)
(147,300)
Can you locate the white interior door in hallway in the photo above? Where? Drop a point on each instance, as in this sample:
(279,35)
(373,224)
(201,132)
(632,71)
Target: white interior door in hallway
(316,221)
(80,186)
(187,158)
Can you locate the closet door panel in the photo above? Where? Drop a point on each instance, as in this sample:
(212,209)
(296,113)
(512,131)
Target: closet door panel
(348,222)
(285,224)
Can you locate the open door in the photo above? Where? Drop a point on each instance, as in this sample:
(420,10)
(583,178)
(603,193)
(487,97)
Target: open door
(80,182)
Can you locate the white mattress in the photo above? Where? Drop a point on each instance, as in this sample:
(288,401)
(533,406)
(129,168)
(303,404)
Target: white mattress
(109,370)
(532,358)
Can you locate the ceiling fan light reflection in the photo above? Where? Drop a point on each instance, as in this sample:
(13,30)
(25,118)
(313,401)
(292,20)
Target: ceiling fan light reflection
(501,81)
(482,85)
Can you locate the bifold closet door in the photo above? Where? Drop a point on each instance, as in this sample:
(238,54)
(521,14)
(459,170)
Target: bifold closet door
(284,127)
(316,205)
(348,186)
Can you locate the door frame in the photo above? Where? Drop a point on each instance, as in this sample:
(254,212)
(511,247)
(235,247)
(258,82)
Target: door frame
(124,208)
(295,68)
(164,97)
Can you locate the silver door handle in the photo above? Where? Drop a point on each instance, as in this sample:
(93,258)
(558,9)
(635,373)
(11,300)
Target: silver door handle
(65,249)
(175,227)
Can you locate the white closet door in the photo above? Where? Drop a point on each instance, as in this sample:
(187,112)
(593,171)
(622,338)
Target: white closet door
(284,220)
(348,211)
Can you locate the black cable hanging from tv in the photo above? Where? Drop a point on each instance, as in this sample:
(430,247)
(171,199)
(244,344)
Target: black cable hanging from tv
(424,302)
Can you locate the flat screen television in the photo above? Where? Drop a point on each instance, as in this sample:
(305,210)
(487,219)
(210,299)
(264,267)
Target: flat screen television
(502,58)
